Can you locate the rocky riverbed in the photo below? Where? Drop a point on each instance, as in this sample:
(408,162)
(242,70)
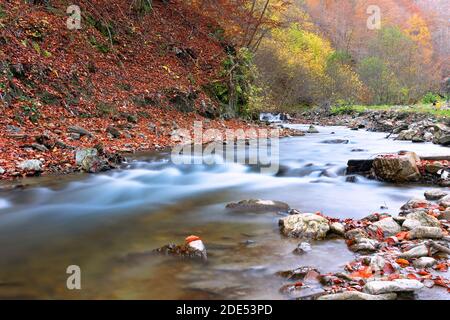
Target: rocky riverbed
(110,223)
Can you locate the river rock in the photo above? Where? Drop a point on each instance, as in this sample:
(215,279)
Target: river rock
(356,234)
(337,228)
(414,204)
(356,295)
(305,225)
(435,195)
(397,167)
(312,129)
(398,285)
(302,248)
(389,227)
(39,147)
(424,262)
(377,263)
(416,252)
(2,171)
(299,273)
(31,165)
(336,141)
(444,140)
(365,245)
(81,131)
(114,132)
(406,135)
(418,139)
(182,251)
(363,167)
(420,218)
(445,202)
(89,160)
(445,215)
(258,205)
(433,167)
(13,129)
(426,233)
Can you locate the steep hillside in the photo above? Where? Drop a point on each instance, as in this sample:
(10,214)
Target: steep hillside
(126,78)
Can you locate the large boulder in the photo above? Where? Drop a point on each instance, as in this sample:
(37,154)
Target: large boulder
(258,205)
(398,285)
(305,225)
(397,167)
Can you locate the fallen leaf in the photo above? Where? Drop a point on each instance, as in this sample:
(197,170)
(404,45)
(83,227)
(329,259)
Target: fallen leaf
(403,262)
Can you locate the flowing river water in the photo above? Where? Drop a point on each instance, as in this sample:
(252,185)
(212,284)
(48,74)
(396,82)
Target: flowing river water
(99,221)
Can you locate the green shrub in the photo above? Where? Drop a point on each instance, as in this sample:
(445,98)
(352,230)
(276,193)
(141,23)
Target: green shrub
(343,110)
(430,98)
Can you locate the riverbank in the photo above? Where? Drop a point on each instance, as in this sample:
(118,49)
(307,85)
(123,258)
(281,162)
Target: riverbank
(112,88)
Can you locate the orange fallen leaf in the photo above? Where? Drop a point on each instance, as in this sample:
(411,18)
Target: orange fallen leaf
(403,262)
(403,235)
(442,267)
(423,273)
(365,273)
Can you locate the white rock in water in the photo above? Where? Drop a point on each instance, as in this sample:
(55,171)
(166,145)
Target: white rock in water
(356,295)
(305,225)
(389,227)
(258,205)
(31,165)
(304,246)
(312,129)
(435,194)
(2,171)
(398,285)
(424,262)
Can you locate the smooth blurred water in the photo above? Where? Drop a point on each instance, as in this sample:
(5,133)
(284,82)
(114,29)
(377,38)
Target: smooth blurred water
(96,221)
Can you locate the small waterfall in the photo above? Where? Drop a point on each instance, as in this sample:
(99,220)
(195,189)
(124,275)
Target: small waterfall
(273,117)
